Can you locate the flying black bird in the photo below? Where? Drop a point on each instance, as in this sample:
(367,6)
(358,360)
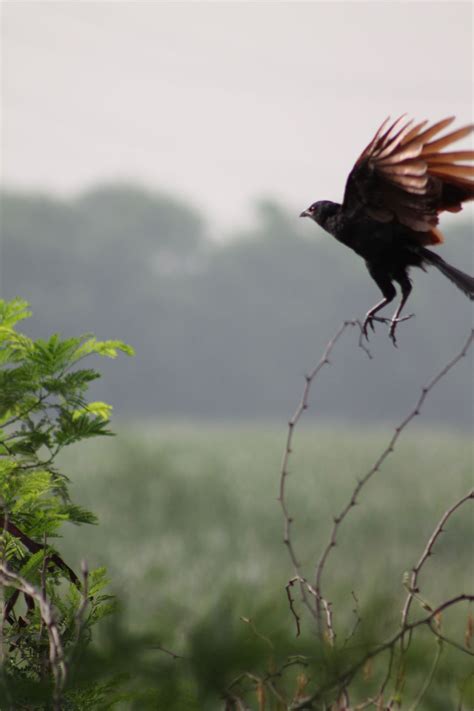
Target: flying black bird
(397,188)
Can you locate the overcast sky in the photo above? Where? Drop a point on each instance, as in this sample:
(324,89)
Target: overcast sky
(221,102)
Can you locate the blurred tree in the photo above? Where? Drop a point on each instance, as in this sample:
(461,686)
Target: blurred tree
(126,215)
(223,330)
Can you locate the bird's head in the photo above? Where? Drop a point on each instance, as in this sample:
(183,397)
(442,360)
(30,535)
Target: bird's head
(321,211)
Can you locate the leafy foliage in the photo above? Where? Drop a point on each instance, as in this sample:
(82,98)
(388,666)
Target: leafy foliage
(43,409)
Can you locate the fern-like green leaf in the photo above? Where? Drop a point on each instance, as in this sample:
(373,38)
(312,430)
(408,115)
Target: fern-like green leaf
(109,349)
(100,409)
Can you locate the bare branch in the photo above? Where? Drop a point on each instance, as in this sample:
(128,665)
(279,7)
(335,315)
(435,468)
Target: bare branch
(168,652)
(352,671)
(291,602)
(449,641)
(56,653)
(358,618)
(248,621)
(429,678)
(331,635)
(284,472)
(81,610)
(413,589)
(312,595)
(362,482)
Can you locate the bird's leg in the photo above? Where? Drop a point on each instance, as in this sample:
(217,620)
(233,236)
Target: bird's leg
(388,290)
(406,287)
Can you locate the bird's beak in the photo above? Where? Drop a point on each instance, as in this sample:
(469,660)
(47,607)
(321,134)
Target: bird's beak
(305,213)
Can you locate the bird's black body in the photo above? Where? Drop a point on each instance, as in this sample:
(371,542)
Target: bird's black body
(390,210)
(389,245)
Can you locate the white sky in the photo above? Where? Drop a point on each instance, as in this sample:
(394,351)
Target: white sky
(221,102)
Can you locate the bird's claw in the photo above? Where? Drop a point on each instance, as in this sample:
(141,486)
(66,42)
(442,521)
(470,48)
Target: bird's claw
(391,333)
(369,323)
(393,326)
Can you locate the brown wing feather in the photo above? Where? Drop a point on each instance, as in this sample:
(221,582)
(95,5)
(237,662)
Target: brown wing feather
(415,131)
(454,156)
(457,171)
(403,175)
(435,146)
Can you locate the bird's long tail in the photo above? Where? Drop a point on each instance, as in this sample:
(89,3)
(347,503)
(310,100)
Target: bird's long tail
(462,280)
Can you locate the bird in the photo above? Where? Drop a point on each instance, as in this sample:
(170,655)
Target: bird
(400,184)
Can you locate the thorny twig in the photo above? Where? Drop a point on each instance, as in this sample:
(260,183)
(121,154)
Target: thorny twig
(320,601)
(291,603)
(306,586)
(349,674)
(303,405)
(363,481)
(315,591)
(413,588)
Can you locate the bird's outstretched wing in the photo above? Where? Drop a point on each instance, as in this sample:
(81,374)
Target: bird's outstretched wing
(403,175)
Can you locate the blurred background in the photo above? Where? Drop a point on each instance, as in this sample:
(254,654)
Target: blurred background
(155,159)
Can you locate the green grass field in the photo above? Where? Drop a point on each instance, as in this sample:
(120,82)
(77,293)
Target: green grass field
(189,520)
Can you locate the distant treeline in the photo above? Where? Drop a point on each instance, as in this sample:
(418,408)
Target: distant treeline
(228,330)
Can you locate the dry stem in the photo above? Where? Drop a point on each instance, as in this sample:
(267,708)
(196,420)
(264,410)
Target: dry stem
(413,590)
(56,652)
(362,482)
(284,472)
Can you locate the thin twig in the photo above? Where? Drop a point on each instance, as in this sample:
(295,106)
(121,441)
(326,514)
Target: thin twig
(284,472)
(358,619)
(81,610)
(451,642)
(329,624)
(387,676)
(297,660)
(56,653)
(307,587)
(291,602)
(43,579)
(429,678)
(362,482)
(167,651)
(44,659)
(33,546)
(413,588)
(389,644)
(248,621)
